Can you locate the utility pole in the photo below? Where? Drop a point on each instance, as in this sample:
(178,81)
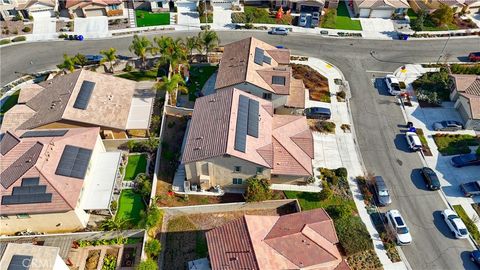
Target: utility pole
(445,46)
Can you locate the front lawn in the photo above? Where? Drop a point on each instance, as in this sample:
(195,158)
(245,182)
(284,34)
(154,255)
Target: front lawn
(428,24)
(340,19)
(130,206)
(433,87)
(198,77)
(310,200)
(140,75)
(9,102)
(471,227)
(136,164)
(454,144)
(145,18)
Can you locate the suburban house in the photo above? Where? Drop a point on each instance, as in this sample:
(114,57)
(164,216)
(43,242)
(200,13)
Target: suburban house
(31,257)
(51,179)
(468,6)
(261,69)
(81,8)
(303,240)
(307,6)
(234,135)
(120,107)
(35,8)
(465,92)
(379,8)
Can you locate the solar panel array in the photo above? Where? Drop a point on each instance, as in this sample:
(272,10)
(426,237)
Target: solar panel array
(29,192)
(247,122)
(258,58)
(74,162)
(20,262)
(253,115)
(44,133)
(278,80)
(84,95)
(30,181)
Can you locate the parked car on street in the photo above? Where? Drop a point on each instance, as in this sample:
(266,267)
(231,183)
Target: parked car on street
(302,21)
(430,178)
(474,56)
(317,113)
(455,224)
(315,19)
(382,192)
(450,125)
(398,226)
(471,189)
(475,257)
(413,141)
(278,31)
(393,85)
(465,160)
(93,58)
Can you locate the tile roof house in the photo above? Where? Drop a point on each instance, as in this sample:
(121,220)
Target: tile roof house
(465,92)
(458,6)
(92,8)
(234,135)
(304,240)
(82,99)
(380,8)
(261,69)
(36,8)
(49,179)
(31,257)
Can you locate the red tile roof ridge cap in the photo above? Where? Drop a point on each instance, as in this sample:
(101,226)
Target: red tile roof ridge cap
(308,229)
(244,217)
(55,188)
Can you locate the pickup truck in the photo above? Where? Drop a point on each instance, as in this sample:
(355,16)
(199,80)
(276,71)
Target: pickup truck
(471,189)
(474,56)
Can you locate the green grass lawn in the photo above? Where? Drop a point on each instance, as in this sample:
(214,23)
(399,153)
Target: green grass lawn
(450,144)
(140,75)
(198,77)
(9,102)
(130,205)
(145,18)
(136,164)
(309,200)
(343,20)
(471,227)
(428,25)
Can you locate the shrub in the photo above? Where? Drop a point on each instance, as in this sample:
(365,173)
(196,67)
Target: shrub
(26,29)
(339,211)
(149,146)
(341,94)
(353,235)
(4,41)
(19,38)
(329,176)
(341,172)
(62,36)
(30,17)
(238,17)
(153,248)
(148,264)
(326,192)
(205,27)
(144,185)
(17,17)
(249,26)
(325,126)
(153,216)
(128,68)
(113,206)
(258,190)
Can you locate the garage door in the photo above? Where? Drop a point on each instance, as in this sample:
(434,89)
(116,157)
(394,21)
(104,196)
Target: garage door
(381,13)
(364,13)
(41,14)
(95,12)
(309,9)
(186,7)
(224,5)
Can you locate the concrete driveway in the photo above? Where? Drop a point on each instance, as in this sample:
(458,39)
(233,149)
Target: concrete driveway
(377,28)
(92,27)
(44,26)
(222,16)
(187,15)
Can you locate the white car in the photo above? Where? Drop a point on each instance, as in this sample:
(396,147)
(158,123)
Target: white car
(455,224)
(393,85)
(398,226)
(413,141)
(278,31)
(302,21)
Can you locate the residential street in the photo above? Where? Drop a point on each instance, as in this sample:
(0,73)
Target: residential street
(378,120)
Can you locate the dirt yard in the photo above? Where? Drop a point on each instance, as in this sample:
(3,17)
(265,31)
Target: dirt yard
(314,82)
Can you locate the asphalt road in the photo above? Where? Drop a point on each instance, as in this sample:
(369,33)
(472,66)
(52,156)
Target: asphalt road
(378,120)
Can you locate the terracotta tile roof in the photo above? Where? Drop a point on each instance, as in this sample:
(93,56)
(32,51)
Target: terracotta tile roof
(30,3)
(238,66)
(38,157)
(377,3)
(296,99)
(469,87)
(294,241)
(28,92)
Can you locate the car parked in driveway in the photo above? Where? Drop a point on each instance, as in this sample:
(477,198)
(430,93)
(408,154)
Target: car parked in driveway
(302,21)
(278,31)
(465,160)
(393,85)
(455,224)
(413,141)
(315,19)
(317,113)
(447,126)
(430,178)
(471,189)
(382,192)
(398,226)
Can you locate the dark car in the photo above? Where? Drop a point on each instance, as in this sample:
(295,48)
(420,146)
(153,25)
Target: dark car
(93,58)
(318,113)
(447,126)
(475,257)
(431,178)
(474,56)
(466,160)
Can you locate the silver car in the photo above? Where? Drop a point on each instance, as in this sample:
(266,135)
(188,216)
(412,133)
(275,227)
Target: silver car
(383,194)
(278,31)
(302,21)
(447,126)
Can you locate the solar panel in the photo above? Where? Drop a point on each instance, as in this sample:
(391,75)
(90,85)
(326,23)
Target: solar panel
(242,121)
(84,95)
(44,133)
(74,162)
(27,199)
(279,80)
(267,60)
(30,181)
(20,262)
(253,108)
(258,57)
(29,190)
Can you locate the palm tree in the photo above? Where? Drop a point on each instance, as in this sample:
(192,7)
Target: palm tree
(110,57)
(192,43)
(172,52)
(209,40)
(140,47)
(67,64)
(172,85)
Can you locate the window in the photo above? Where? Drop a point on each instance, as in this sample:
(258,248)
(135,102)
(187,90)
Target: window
(278,80)
(23,216)
(267,96)
(237,168)
(237,181)
(259,170)
(113,7)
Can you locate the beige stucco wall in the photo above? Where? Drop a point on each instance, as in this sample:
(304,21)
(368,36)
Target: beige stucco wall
(288,179)
(277,100)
